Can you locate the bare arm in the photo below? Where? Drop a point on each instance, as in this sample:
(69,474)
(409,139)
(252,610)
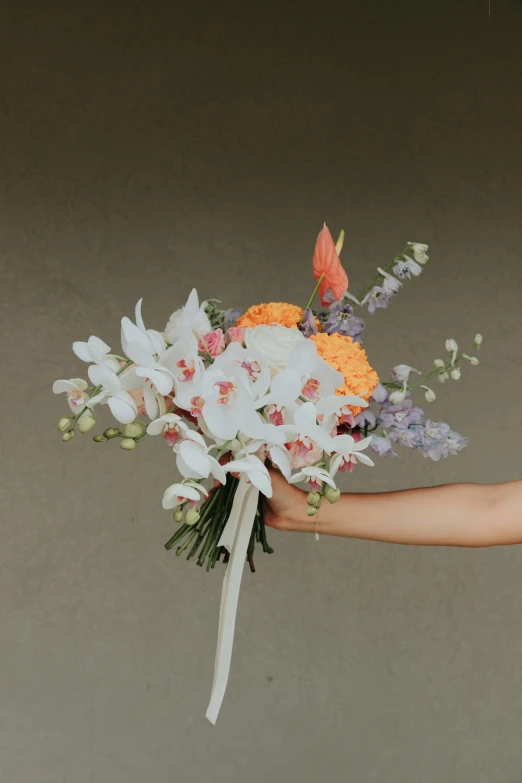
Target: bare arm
(470,515)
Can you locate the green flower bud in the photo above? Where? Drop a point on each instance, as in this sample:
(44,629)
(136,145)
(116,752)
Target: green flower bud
(332,495)
(313,498)
(133,430)
(192,516)
(177,515)
(112,432)
(66,437)
(64,424)
(100,439)
(86,423)
(128,444)
(312,511)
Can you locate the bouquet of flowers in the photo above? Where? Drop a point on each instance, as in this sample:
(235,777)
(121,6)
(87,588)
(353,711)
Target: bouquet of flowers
(229,392)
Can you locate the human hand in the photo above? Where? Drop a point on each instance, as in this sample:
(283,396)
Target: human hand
(287,508)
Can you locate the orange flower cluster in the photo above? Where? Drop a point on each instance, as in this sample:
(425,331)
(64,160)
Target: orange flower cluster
(272,313)
(350,359)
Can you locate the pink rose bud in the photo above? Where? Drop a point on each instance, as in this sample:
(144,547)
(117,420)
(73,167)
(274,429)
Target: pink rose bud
(236,334)
(214,343)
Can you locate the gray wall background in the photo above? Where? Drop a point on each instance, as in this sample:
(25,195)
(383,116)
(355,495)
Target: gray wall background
(148,147)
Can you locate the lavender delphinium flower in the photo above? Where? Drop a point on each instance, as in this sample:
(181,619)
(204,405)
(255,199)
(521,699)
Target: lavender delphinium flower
(401,415)
(375,298)
(341,319)
(404,269)
(308,325)
(379,394)
(230,317)
(411,437)
(382,446)
(456,443)
(366,418)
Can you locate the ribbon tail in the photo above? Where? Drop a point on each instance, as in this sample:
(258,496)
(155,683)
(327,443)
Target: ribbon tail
(230,596)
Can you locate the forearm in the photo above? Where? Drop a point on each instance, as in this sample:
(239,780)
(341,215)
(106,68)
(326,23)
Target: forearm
(470,515)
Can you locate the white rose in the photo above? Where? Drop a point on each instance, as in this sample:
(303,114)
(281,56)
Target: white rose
(276,342)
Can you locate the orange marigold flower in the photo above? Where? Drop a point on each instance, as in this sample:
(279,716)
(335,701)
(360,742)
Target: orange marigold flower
(350,359)
(272,313)
(326,262)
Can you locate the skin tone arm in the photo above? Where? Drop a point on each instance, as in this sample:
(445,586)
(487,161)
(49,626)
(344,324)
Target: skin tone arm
(468,515)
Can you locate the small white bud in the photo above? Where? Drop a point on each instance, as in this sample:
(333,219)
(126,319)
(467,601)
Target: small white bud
(451,345)
(397,396)
(443,377)
(177,515)
(133,430)
(192,516)
(478,340)
(64,424)
(66,437)
(86,424)
(439,363)
(455,373)
(419,252)
(473,361)
(128,444)
(429,394)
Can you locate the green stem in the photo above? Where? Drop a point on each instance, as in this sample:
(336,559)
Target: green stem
(320,280)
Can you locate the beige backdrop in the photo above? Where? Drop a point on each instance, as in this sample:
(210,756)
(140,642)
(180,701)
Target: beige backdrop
(148,147)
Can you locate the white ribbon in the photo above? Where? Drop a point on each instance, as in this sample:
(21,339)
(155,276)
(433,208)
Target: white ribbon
(235,537)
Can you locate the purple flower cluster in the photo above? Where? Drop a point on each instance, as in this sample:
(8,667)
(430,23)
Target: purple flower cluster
(340,318)
(407,426)
(230,317)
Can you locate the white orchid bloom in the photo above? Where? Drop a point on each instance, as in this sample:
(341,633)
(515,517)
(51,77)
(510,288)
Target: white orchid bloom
(306,430)
(249,362)
(75,390)
(315,475)
(349,451)
(334,406)
(194,461)
(228,408)
(191,316)
(177,494)
(150,339)
(187,369)
(256,472)
(318,378)
(95,351)
(145,348)
(285,389)
(122,405)
(278,454)
(170,426)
